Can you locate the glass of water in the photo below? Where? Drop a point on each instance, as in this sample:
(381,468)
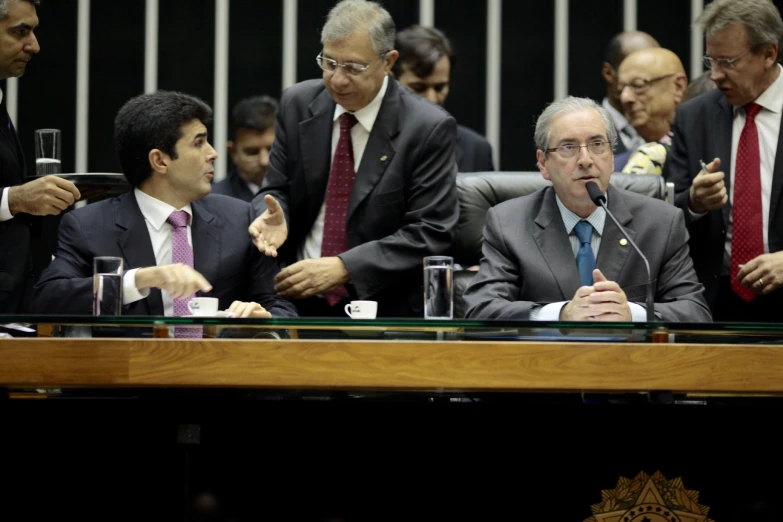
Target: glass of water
(107,286)
(47,152)
(438,287)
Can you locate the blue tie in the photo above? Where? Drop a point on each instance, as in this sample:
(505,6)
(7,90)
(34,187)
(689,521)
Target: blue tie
(585,259)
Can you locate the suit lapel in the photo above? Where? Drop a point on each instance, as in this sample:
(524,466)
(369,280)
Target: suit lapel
(611,255)
(555,246)
(135,245)
(205,231)
(721,145)
(379,145)
(316,143)
(777,179)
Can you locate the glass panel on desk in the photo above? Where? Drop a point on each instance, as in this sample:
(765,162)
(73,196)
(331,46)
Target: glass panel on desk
(393,329)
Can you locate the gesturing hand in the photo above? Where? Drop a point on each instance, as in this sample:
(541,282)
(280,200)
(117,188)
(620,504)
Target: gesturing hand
(179,280)
(708,190)
(269,230)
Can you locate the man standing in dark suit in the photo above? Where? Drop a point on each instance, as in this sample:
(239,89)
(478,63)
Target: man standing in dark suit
(426,60)
(253,129)
(553,255)
(175,237)
(733,206)
(45,196)
(362,180)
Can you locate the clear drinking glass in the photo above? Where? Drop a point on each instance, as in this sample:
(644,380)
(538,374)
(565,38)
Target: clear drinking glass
(47,152)
(107,286)
(438,287)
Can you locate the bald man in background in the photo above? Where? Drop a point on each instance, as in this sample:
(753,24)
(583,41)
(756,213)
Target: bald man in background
(651,83)
(620,46)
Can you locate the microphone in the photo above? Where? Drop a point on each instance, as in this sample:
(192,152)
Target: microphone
(600,200)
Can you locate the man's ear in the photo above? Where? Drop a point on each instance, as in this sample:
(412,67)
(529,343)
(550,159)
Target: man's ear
(607,71)
(680,84)
(390,59)
(541,157)
(159,161)
(232,149)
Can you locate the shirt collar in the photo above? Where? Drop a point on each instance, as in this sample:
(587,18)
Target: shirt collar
(156,211)
(597,218)
(367,115)
(772,98)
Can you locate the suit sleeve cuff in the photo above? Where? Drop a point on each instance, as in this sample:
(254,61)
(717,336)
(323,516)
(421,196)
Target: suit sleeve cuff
(131,294)
(5,212)
(550,312)
(694,216)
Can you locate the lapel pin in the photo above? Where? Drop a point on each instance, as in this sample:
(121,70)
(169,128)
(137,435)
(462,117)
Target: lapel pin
(623,242)
(384,158)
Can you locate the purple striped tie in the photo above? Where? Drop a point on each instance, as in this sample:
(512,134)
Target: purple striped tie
(182,252)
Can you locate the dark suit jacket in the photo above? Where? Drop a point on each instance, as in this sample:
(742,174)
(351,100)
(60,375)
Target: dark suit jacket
(702,130)
(222,253)
(234,187)
(528,260)
(404,201)
(16,266)
(474,153)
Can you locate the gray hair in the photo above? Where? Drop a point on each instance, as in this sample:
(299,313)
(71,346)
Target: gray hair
(567,105)
(349,16)
(4,6)
(760,17)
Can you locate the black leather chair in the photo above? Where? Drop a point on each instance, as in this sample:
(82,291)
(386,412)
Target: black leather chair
(479,191)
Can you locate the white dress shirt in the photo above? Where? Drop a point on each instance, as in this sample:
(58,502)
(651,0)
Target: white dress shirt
(155,213)
(768,126)
(360,134)
(551,311)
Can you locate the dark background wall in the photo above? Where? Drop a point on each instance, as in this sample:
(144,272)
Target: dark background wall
(47,92)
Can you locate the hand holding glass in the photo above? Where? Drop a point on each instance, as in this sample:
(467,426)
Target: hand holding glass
(47,152)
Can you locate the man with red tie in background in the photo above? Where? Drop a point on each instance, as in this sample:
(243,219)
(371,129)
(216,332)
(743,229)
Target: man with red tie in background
(362,179)
(45,196)
(726,167)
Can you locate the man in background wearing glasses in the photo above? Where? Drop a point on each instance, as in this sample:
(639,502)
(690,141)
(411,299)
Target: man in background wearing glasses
(651,83)
(553,255)
(726,167)
(362,177)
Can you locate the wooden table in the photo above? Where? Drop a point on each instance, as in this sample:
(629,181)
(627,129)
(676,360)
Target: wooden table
(392,365)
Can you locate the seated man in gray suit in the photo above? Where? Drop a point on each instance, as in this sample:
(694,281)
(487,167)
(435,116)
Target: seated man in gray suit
(175,237)
(553,255)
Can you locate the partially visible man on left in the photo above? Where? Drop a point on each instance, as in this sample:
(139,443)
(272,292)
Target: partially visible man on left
(175,237)
(45,196)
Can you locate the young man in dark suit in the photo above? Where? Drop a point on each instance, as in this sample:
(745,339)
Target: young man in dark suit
(426,60)
(175,237)
(45,196)
(253,129)
(362,180)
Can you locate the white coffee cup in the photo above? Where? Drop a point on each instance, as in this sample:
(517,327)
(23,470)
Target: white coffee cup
(203,305)
(362,309)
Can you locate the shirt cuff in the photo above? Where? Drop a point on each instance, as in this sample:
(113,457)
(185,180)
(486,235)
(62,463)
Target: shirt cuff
(694,216)
(550,312)
(131,294)
(5,212)
(638,313)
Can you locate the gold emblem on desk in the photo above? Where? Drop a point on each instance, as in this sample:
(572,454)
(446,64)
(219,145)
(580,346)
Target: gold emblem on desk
(649,499)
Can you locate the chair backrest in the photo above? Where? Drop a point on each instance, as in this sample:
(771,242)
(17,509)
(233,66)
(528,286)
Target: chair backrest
(479,191)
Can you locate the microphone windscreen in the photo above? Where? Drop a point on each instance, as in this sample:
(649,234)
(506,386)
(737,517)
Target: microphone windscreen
(595,193)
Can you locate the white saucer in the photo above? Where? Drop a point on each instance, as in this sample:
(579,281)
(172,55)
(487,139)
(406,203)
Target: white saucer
(217,314)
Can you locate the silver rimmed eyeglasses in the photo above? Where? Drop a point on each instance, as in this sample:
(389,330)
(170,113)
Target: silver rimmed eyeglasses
(353,69)
(723,63)
(570,150)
